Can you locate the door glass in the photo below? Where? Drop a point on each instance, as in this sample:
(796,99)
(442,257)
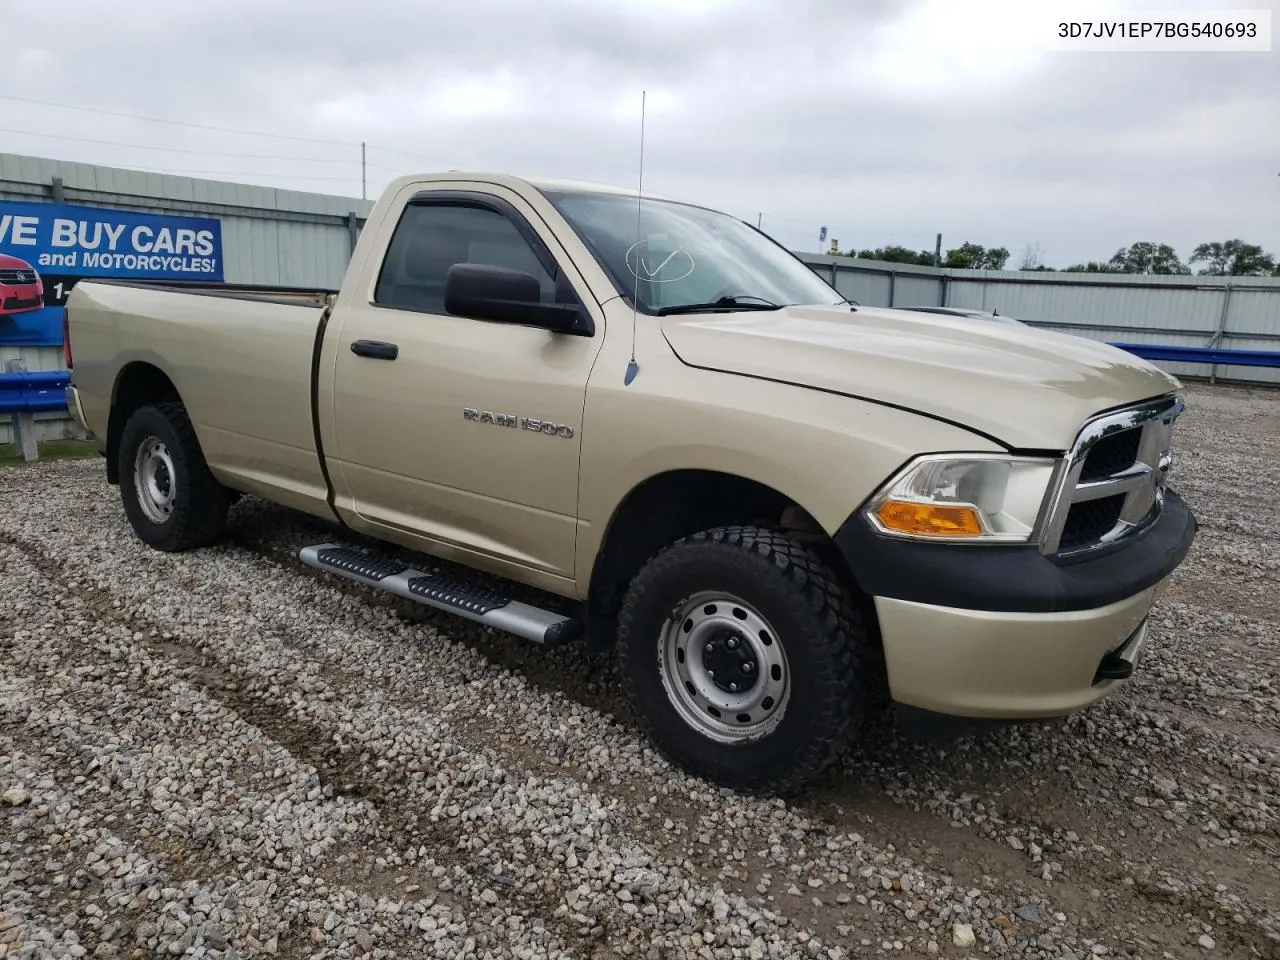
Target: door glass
(431,238)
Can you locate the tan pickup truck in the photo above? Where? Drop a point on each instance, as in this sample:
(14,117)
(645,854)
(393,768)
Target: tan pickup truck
(576,414)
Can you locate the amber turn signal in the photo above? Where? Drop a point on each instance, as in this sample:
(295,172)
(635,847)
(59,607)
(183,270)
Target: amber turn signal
(930,519)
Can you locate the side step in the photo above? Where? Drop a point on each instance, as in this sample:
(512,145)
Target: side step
(472,596)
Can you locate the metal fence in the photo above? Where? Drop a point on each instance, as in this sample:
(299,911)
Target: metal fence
(1228,313)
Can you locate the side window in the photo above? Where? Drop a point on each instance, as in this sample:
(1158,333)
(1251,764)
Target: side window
(430,238)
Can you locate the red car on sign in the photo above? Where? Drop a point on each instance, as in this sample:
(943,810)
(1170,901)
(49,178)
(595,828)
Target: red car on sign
(20,287)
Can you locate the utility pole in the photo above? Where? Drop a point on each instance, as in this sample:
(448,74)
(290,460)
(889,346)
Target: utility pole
(759,220)
(364,190)
(937,252)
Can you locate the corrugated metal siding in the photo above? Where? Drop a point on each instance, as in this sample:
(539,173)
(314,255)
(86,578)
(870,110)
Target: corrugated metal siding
(156,186)
(917,292)
(971,294)
(863,287)
(37,358)
(269,236)
(1196,310)
(1256,311)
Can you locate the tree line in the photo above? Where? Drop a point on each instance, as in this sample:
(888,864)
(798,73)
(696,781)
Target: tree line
(1227,258)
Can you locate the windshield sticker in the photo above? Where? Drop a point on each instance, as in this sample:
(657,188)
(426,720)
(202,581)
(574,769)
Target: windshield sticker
(651,265)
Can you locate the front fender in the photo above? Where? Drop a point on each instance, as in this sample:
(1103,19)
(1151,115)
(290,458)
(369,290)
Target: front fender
(824,452)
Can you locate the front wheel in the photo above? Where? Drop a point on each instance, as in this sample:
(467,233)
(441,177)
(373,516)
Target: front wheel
(172,500)
(743,657)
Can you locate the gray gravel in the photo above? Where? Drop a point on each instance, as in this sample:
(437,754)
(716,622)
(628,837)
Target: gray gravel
(227,754)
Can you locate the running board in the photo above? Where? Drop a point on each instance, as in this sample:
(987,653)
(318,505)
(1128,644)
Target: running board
(472,595)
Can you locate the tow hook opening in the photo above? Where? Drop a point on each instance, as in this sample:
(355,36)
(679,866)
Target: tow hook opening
(1121,662)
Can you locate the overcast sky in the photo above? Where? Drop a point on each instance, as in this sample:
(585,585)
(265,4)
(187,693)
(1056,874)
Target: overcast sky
(886,120)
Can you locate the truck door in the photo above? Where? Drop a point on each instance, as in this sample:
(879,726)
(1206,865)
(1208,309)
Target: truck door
(463,434)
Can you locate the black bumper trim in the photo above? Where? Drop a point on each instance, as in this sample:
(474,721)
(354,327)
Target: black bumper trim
(1014,578)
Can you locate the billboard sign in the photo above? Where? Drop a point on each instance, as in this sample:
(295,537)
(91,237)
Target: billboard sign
(46,247)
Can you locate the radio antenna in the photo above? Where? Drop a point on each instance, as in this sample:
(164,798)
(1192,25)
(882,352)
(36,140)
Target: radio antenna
(633,368)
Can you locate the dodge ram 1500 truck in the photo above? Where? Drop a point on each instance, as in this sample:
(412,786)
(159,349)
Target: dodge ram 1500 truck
(575,413)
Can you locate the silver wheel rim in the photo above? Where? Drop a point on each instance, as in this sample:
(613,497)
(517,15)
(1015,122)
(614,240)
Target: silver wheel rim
(153,478)
(705,649)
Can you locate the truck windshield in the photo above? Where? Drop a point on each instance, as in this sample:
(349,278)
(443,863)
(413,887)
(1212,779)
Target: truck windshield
(688,258)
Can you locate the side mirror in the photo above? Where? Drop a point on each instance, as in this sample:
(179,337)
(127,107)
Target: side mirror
(485,292)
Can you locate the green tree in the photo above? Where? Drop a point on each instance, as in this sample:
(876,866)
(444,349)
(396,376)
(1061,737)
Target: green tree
(967,256)
(1233,258)
(996,258)
(974,256)
(1093,266)
(896,254)
(1148,257)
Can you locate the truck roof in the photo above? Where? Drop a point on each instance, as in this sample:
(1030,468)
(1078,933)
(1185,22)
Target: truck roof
(547,184)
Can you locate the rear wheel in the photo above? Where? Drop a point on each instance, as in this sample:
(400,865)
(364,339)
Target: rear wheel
(743,657)
(170,496)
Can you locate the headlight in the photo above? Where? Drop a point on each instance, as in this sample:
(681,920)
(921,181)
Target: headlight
(976,498)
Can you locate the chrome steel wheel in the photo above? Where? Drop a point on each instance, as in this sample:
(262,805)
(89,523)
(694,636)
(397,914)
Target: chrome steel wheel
(154,479)
(724,668)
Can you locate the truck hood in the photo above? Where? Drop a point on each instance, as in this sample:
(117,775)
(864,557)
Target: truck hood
(1025,387)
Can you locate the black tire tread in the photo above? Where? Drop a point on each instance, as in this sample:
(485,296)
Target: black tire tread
(843,643)
(202,522)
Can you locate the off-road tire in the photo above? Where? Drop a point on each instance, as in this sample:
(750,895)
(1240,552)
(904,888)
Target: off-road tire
(200,502)
(833,679)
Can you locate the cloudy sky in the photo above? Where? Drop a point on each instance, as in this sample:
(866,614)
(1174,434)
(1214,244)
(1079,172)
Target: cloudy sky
(885,120)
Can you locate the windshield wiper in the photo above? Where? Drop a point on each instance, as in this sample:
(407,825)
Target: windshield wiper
(744,302)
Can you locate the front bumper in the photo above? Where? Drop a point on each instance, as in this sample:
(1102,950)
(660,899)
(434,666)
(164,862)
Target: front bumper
(20,300)
(980,664)
(1006,633)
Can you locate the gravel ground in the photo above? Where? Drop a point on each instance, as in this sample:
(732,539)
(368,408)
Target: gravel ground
(226,754)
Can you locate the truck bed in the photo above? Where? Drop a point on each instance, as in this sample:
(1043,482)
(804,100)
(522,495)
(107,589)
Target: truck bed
(241,357)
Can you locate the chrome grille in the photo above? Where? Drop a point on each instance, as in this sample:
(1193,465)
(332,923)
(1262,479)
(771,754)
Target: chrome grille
(1090,521)
(1111,454)
(17,276)
(1111,485)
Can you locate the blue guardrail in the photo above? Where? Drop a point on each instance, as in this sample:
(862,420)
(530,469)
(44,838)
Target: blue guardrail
(34,392)
(1229,358)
